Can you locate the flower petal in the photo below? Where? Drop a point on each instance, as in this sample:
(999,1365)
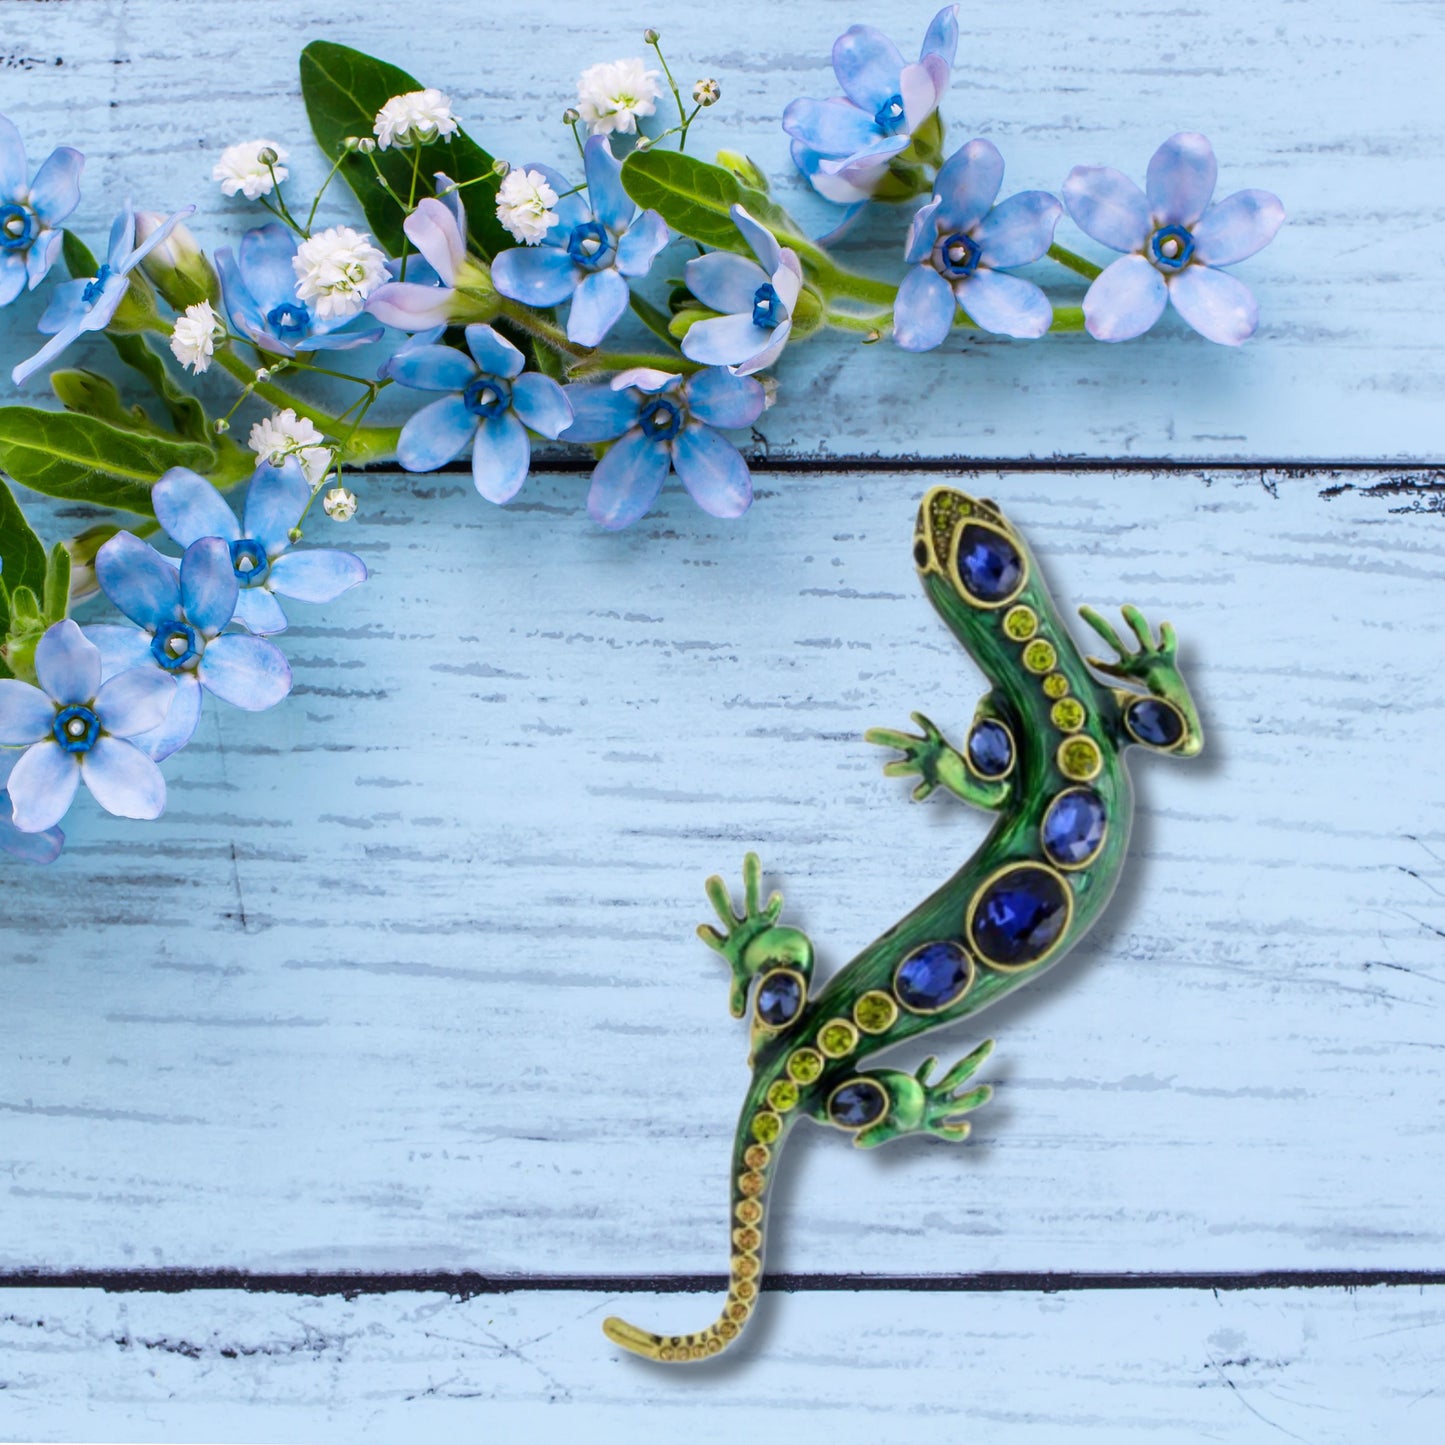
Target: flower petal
(597,306)
(920,86)
(67,663)
(135,701)
(1125,300)
(154,239)
(42,786)
(1019,230)
(571,208)
(318,574)
(266,258)
(12,276)
(1237,227)
(726,340)
(123,780)
(724,281)
(713,471)
(625,483)
(501,455)
(605,192)
(14,173)
(968,182)
(26,714)
(763,243)
(922,232)
(719,398)
(1215,304)
(189,508)
(139,581)
(599,413)
(495,355)
(275,501)
(538,275)
(259,611)
(769,354)
(923,312)
(879,150)
(349,340)
(541,404)
(44,252)
(833,127)
(434,368)
(180,724)
(409,307)
(208,585)
(852,190)
(247,672)
(867,64)
(38,848)
(1108,206)
(640,243)
(122,238)
(120,648)
(1181,179)
(245,314)
(942,36)
(433,230)
(436,434)
(55,192)
(1006,305)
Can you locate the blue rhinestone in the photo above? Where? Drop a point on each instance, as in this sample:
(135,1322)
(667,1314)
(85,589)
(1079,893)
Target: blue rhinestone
(1020,916)
(857,1104)
(989,565)
(933,977)
(780,997)
(1074,827)
(1155,722)
(990,749)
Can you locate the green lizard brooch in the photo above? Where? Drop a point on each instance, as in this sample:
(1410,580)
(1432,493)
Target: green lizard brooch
(1046,753)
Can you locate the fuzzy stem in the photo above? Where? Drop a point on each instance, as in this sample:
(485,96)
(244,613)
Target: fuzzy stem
(1075,262)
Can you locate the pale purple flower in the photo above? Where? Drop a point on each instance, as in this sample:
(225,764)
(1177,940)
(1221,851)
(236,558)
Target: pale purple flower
(438,230)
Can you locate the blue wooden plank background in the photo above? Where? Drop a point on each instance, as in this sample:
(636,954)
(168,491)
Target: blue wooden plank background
(404,980)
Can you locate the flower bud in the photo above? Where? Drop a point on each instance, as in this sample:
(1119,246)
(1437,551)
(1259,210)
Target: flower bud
(339,504)
(82,551)
(571,115)
(501,169)
(644,142)
(649,36)
(220,426)
(268,156)
(744,168)
(178,267)
(360,144)
(706,92)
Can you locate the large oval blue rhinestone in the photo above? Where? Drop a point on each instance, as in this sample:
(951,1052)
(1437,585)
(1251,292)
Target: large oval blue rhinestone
(1073,828)
(1018,917)
(990,749)
(857,1103)
(1155,722)
(780,997)
(932,978)
(989,565)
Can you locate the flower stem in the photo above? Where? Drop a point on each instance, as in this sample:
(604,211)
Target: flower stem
(331,176)
(1075,262)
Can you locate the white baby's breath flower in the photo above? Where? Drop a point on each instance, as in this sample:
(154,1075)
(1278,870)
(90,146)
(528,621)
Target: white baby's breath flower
(611,96)
(339,504)
(338,269)
(242,169)
(193,337)
(524,201)
(414,119)
(275,438)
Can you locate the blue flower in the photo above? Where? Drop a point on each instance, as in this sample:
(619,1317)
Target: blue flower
(843,146)
(662,422)
(79,729)
(259,288)
(190,508)
(88,305)
(42,847)
(757,300)
(957,244)
(596,243)
(438,230)
(1176,240)
(181,615)
(31,213)
(486,400)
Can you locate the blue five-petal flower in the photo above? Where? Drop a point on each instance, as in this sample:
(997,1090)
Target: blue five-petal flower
(586,256)
(658,422)
(488,403)
(31,211)
(1175,240)
(958,244)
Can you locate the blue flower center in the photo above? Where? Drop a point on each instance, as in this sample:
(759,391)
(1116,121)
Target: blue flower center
(290,318)
(588,244)
(17,227)
(176,646)
(660,420)
(958,255)
(76,729)
(768,308)
(487,396)
(1171,247)
(889,116)
(94,287)
(249,562)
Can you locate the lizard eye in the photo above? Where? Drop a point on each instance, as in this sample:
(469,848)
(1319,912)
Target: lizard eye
(780,998)
(1154,722)
(920,553)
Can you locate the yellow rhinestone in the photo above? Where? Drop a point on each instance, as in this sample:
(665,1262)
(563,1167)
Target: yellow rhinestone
(767,1126)
(746,1291)
(756,1156)
(738,1311)
(783,1095)
(1079,758)
(1056,685)
(727,1329)
(837,1038)
(745,1266)
(805,1065)
(874,1012)
(1068,714)
(1021,623)
(1039,655)
(748,1239)
(751,1184)
(749,1211)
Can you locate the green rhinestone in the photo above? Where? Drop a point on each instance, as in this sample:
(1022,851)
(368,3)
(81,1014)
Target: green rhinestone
(1039,655)
(1021,623)
(874,1012)
(1068,714)
(767,1127)
(805,1065)
(837,1038)
(1079,758)
(783,1095)
(1056,685)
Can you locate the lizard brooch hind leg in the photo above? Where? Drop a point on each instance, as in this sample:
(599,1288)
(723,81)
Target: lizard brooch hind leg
(1045,755)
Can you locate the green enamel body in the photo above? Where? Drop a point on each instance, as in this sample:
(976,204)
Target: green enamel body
(1069,733)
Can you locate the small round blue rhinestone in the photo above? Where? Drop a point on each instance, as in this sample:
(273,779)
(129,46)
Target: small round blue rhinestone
(933,977)
(780,998)
(857,1103)
(1155,722)
(990,749)
(1074,827)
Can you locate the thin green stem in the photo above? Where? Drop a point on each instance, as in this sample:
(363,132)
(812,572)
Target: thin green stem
(282,217)
(284,212)
(846,321)
(330,176)
(671,83)
(382,180)
(1075,262)
(602,361)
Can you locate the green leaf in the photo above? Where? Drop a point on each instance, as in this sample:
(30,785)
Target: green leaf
(22,554)
(55,598)
(187,415)
(78,260)
(344,89)
(656,321)
(85,460)
(91,394)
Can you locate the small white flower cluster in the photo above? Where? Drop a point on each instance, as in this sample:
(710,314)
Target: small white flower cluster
(612,95)
(275,438)
(524,202)
(416,118)
(193,337)
(339,504)
(242,168)
(338,269)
